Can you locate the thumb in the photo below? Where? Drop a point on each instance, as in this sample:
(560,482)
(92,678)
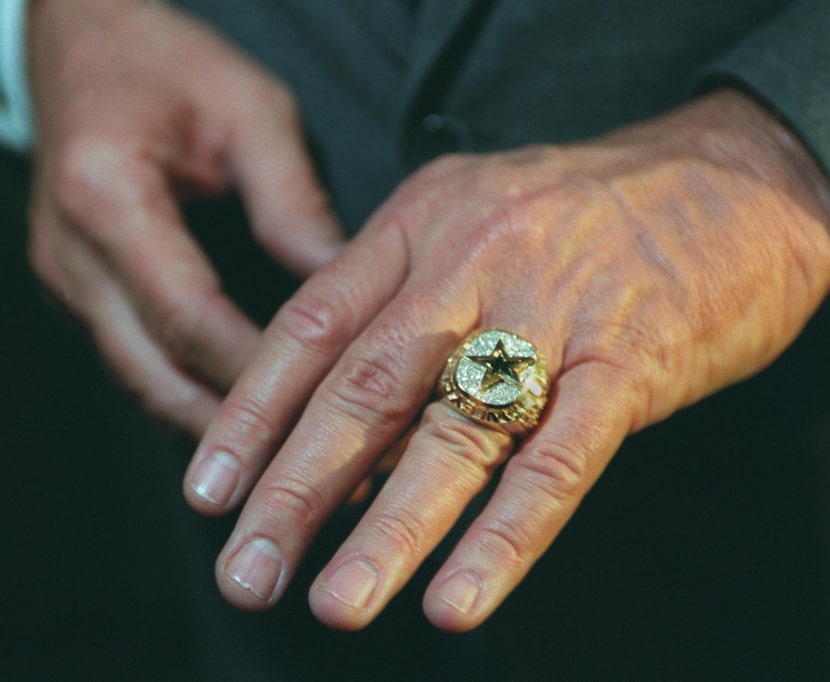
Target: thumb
(290,213)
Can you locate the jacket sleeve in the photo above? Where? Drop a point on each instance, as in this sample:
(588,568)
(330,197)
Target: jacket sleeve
(16,127)
(786,65)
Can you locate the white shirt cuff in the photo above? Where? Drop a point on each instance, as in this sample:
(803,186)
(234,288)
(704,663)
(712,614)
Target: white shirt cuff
(16,120)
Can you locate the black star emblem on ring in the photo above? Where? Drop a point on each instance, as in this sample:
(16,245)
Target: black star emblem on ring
(501,367)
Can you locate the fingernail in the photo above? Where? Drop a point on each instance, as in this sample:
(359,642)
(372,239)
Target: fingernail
(216,477)
(257,568)
(461,592)
(353,583)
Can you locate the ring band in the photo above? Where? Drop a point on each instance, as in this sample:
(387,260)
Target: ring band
(497,378)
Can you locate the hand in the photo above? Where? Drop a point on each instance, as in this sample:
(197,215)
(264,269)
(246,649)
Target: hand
(651,267)
(136,104)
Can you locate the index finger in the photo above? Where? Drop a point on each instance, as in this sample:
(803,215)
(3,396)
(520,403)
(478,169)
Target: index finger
(290,212)
(299,347)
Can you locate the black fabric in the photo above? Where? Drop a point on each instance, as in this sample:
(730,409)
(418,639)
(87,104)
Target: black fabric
(540,71)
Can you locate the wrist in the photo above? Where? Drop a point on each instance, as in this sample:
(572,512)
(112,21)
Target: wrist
(763,148)
(759,143)
(792,164)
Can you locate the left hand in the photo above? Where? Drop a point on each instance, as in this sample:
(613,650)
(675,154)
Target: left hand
(651,267)
(122,137)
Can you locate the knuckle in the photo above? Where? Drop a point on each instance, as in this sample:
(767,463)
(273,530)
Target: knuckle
(372,377)
(473,447)
(437,170)
(633,339)
(81,173)
(431,183)
(376,376)
(92,175)
(402,529)
(369,389)
(249,420)
(631,354)
(558,470)
(293,496)
(517,210)
(503,228)
(374,385)
(180,322)
(505,540)
(322,323)
(498,224)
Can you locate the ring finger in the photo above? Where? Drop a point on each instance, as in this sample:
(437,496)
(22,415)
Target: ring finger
(494,377)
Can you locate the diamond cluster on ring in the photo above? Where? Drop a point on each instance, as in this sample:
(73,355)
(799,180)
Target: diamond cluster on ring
(498,378)
(511,361)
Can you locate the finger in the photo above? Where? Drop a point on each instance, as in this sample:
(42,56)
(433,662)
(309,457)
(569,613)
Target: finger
(162,387)
(384,465)
(122,203)
(369,398)
(290,213)
(541,487)
(300,346)
(449,460)
(89,289)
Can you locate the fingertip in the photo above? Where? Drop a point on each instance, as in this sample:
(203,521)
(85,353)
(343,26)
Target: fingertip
(251,574)
(319,244)
(308,245)
(445,617)
(455,604)
(343,598)
(290,211)
(211,484)
(334,614)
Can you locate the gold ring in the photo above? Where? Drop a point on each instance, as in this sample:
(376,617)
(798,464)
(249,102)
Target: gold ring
(497,378)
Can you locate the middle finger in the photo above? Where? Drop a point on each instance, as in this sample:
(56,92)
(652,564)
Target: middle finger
(449,460)
(367,401)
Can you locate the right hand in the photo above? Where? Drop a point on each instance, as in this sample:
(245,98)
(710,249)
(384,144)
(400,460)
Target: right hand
(652,266)
(134,102)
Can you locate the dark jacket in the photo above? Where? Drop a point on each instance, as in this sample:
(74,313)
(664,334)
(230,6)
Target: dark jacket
(386,85)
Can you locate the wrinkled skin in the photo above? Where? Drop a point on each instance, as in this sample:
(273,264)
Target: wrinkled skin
(651,267)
